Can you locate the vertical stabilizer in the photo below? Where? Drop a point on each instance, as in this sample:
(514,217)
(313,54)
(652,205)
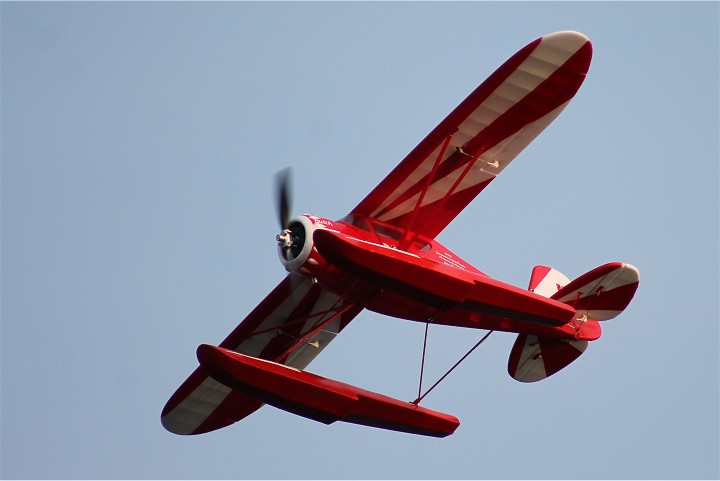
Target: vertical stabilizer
(546,281)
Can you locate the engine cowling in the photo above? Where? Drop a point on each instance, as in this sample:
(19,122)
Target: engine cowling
(295,246)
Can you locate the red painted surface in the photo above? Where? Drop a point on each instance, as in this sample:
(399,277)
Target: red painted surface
(560,87)
(319,398)
(384,257)
(437,284)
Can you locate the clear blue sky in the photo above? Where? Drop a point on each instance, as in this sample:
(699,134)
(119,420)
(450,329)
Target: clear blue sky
(139,142)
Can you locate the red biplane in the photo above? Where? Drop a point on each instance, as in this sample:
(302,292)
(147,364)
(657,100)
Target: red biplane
(383,256)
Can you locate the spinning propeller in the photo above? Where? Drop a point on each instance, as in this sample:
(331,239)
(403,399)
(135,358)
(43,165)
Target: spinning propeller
(283,187)
(292,236)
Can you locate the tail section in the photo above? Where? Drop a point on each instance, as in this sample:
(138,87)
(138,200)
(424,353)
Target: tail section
(534,358)
(546,281)
(598,295)
(602,293)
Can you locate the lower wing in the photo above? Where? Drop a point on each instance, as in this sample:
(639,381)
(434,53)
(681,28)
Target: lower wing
(290,326)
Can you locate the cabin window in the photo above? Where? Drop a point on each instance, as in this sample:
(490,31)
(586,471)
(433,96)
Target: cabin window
(358,222)
(386,231)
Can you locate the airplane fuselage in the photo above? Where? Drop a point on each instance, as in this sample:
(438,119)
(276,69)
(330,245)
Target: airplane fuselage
(398,273)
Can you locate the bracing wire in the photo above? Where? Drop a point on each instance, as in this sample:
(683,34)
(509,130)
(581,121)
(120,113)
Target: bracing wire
(421,397)
(422,364)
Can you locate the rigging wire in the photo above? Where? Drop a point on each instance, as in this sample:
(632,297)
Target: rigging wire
(421,397)
(422,364)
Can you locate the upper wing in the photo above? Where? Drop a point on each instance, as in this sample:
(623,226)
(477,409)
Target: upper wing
(290,326)
(465,152)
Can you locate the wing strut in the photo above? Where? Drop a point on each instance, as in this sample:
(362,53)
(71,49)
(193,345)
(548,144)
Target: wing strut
(420,397)
(319,326)
(334,310)
(473,160)
(406,240)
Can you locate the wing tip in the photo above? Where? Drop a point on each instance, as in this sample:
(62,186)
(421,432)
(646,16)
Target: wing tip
(169,422)
(564,36)
(569,43)
(635,271)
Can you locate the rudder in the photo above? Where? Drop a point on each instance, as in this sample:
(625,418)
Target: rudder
(546,281)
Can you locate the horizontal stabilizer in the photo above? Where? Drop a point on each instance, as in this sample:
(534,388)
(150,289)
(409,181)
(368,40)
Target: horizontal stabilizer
(602,293)
(534,358)
(319,398)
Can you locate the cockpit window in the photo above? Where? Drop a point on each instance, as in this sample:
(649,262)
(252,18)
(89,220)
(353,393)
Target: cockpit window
(421,245)
(357,221)
(390,232)
(385,231)
(397,234)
